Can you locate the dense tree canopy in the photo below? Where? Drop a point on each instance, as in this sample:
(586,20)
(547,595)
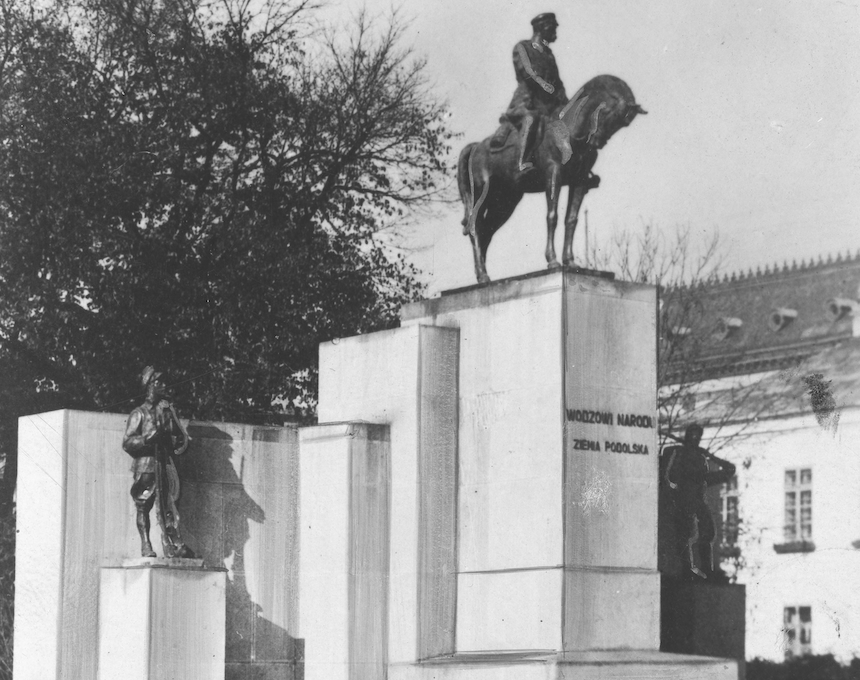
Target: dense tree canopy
(200,186)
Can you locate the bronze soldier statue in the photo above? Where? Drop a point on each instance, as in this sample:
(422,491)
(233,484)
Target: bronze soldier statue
(153,435)
(539,89)
(689,476)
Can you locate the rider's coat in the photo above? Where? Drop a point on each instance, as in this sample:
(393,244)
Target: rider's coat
(534,64)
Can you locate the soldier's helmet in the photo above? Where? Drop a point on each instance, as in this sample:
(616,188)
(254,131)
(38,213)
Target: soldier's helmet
(545,20)
(148,375)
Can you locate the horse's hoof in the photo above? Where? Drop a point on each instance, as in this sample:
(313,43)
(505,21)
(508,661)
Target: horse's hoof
(483,279)
(555,264)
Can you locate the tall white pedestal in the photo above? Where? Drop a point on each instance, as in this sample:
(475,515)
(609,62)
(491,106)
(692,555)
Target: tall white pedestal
(344,492)
(161,619)
(524,476)
(557,512)
(406,379)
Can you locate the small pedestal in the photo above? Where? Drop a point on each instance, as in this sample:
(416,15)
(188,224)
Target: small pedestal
(161,619)
(703,618)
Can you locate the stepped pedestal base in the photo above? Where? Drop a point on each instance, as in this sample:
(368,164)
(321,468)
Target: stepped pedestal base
(597,665)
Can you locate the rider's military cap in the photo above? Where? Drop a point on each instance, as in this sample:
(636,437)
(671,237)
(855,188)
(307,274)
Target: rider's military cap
(545,18)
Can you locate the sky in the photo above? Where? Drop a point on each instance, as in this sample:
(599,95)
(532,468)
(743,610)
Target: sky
(753,125)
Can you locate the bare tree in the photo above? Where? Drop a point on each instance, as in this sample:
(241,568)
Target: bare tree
(693,386)
(690,388)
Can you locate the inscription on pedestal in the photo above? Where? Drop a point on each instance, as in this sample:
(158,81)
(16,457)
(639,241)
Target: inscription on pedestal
(601,439)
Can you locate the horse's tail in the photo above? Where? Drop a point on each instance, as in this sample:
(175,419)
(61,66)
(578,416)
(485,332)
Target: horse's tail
(466,182)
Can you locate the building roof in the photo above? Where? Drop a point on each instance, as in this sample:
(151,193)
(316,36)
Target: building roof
(822,385)
(765,320)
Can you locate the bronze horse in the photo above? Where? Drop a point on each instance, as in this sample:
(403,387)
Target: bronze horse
(565,152)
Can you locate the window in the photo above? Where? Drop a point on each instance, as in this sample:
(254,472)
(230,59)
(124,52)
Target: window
(729,512)
(798,505)
(797,631)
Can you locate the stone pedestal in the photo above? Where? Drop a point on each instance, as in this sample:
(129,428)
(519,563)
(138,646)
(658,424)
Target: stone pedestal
(704,618)
(344,492)
(523,486)
(557,512)
(407,379)
(161,619)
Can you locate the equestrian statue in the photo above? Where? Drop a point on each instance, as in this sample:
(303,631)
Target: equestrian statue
(545,141)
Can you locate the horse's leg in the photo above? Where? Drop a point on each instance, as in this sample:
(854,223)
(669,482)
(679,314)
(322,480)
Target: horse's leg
(478,224)
(497,213)
(553,189)
(571,216)
(466,183)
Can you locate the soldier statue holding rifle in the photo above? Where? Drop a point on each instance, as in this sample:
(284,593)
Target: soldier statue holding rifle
(689,476)
(153,435)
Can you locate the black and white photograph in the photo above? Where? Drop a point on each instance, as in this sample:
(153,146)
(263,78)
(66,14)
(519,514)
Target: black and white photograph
(373,340)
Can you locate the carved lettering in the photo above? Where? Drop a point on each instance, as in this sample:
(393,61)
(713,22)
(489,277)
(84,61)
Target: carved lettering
(585,445)
(624,447)
(585,416)
(633,420)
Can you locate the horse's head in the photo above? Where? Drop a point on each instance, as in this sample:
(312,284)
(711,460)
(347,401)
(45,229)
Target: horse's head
(600,108)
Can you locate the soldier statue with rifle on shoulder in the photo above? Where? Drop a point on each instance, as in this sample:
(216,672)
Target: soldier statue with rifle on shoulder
(688,475)
(153,435)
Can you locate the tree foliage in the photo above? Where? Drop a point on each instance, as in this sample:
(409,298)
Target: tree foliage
(203,187)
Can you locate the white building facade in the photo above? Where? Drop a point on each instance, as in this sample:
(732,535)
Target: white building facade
(781,400)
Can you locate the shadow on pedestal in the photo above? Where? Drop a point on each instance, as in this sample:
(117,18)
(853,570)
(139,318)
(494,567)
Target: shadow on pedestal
(217,512)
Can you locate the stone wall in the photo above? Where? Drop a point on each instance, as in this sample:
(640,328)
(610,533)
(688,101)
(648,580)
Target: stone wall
(238,510)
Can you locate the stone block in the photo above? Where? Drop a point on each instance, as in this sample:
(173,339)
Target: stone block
(594,665)
(161,622)
(238,509)
(510,425)
(345,510)
(703,618)
(611,609)
(611,370)
(557,453)
(39,551)
(407,378)
(510,610)
(608,507)
(262,671)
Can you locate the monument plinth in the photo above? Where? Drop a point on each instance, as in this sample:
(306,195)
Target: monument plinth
(557,457)
(162,619)
(523,481)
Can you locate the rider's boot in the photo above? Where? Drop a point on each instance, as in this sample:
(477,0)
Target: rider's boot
(524,164)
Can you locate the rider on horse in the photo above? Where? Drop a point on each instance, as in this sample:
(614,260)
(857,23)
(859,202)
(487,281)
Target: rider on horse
(539,89)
